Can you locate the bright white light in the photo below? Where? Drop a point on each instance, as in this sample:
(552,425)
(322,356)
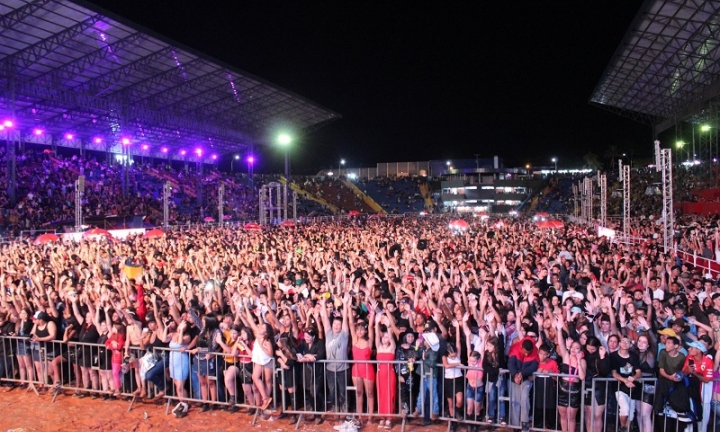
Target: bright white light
(352,176)
(330,173)
(284,139)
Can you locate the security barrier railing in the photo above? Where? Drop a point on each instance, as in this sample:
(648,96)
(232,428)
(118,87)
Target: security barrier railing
(384,390)
(362,390)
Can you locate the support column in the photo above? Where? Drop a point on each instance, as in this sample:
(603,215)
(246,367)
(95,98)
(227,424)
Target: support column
(199,189)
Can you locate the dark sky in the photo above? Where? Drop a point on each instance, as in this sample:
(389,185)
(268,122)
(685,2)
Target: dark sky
(422,80)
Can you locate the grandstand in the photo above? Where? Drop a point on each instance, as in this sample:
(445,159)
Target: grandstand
(666,73)
(72,75)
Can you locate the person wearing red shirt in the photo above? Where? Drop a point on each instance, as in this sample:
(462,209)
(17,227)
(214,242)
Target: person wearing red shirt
(700,367)
(545,391)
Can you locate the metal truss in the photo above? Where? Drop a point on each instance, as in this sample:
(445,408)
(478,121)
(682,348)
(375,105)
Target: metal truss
(602,183)
(625,179)
(17,16)
(588,199)
(27,57)
(99,76)
(663,164)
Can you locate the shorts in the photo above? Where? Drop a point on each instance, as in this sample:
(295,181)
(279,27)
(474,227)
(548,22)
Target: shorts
(452,386)
(246,371)
(599,396)
(626,406)
(476,394)
(205,367)
(22,347)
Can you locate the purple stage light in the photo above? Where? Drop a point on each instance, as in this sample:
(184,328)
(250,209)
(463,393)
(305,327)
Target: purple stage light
(126,141)
(69,136)
(38,132)
(182,152)
(214,156)
(251,159)
(145,147)
(164,150)
(97,140)
(198,151)
(8,123)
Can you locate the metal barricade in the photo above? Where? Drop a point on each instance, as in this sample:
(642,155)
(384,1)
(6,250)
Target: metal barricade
(702,398)
(540,403)
(56,367)
(217,379)
(331,388)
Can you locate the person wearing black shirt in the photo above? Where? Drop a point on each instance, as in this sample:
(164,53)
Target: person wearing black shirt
(312,349)
(626,369)
(7,328)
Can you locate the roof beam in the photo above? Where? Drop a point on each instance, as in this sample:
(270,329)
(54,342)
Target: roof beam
(75,99)
(688,110)
(79,65)
(104,83)
(17,16)
(22,59)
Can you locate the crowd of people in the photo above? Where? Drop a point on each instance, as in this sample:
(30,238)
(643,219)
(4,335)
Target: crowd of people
(45,196)
(419,321)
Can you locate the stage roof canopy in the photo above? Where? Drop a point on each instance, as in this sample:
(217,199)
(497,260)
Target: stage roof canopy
(71,73)
(667,68)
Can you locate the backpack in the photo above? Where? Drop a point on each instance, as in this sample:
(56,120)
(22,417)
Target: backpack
(680,400)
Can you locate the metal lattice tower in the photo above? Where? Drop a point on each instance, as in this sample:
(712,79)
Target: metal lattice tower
(271,203)
(221,198)
(583,209)
(575,199)
(167,191)
(663,164)
(588,202)
(79,190)
(602,182)
(625,179)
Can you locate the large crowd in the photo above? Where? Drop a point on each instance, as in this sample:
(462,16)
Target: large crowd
(419,320)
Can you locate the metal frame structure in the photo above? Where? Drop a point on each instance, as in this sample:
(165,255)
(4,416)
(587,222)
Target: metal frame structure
(602,182)
(271,203)
(588,199)
(624,171)
(79,190)
(663,165)
(167,192)
(575,199)
(86,78)
(221,199)
(667,68)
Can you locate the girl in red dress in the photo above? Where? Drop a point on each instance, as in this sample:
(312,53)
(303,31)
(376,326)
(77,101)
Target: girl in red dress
(386,379)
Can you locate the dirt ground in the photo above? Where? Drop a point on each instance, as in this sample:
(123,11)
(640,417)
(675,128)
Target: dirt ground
(22,410)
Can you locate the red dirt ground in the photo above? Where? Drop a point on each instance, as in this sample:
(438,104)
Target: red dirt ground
(22,410)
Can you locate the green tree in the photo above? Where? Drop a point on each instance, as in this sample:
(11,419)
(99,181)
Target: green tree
(592,161)
(611,154)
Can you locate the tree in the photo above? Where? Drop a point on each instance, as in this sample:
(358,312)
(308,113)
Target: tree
(592,161)
(611,154)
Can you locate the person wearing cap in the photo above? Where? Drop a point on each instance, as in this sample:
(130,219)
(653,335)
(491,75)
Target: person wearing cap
(427,347)
(699,369)
(43,331)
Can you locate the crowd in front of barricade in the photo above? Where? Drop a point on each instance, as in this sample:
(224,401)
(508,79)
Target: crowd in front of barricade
(374,320)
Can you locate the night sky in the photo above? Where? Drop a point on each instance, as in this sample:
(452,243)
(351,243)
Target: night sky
(420,80)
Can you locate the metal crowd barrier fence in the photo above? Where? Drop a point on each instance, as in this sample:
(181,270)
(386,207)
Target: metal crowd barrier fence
(215,379)
(56,367)
(331,388)
(614,410)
